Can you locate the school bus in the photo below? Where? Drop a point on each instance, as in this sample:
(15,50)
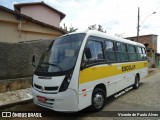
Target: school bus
(82,69)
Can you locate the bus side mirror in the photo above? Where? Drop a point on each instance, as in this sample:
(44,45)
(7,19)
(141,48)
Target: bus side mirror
(33,60)
(88,55)
(87,52)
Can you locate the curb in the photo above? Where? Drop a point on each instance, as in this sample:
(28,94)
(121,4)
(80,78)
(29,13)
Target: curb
(7,106)
(12,98)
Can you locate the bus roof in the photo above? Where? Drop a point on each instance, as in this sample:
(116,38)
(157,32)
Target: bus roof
(105,35)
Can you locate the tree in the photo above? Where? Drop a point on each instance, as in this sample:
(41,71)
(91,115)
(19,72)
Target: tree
(70,29)
(94,27)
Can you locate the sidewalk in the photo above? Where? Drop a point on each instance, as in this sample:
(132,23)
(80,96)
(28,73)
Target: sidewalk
(153,69)
(14,97)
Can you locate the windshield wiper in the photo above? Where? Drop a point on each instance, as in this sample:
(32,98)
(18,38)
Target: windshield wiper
(53,64)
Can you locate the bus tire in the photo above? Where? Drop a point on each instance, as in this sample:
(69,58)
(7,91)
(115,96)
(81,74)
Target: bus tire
(98,99)
(136,84)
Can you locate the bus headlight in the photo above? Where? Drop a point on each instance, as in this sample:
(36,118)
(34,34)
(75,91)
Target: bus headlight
(65,83)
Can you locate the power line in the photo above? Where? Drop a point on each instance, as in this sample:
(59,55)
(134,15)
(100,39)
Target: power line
(147,29)
(82,4)
(150,11)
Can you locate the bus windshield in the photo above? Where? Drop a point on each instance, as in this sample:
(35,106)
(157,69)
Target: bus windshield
(61,55)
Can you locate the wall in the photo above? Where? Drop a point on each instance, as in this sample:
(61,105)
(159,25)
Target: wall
(42,13)
(157,60)
(151,40)
(154,42)
(15,84)
(11,31)
(16,58)
(152,61)
(19,41)
(8,27)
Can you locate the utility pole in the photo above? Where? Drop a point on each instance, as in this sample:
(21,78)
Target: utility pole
(138,25)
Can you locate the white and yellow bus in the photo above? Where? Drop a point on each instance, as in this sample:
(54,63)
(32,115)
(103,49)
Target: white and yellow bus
(82,69)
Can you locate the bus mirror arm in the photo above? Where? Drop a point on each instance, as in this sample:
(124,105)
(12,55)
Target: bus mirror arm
(33,61)
(88,55)
(87,52)
(84,65)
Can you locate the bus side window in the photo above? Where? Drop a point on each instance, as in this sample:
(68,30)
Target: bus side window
(110,51)
(132,53)
(96,49)
(144,54)
(139,53)
(122,54)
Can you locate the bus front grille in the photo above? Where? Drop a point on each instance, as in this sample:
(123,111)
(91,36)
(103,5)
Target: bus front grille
(46,88)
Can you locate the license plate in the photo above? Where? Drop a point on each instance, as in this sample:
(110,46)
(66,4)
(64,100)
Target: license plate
(41,99)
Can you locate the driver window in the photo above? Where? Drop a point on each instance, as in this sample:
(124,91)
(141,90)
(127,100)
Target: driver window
(96,52)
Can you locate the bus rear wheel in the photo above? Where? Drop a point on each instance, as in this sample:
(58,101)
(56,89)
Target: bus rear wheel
(136,84)
(98,99)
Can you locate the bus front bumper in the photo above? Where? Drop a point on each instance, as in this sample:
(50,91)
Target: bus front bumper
(63,101)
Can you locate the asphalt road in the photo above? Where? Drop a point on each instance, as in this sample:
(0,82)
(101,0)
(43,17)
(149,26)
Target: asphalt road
(146,98)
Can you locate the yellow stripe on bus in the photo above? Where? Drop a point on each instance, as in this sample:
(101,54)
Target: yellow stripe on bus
(99,72)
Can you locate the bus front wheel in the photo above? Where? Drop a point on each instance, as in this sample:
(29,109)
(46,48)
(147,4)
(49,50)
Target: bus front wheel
(136,84)
(98,99)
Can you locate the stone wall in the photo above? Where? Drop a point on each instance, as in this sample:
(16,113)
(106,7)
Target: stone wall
(15,84)
(16,58)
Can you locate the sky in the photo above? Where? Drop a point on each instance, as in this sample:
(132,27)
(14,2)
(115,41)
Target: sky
(115,16)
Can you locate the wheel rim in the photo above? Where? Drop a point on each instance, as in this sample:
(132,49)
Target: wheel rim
(98,100)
